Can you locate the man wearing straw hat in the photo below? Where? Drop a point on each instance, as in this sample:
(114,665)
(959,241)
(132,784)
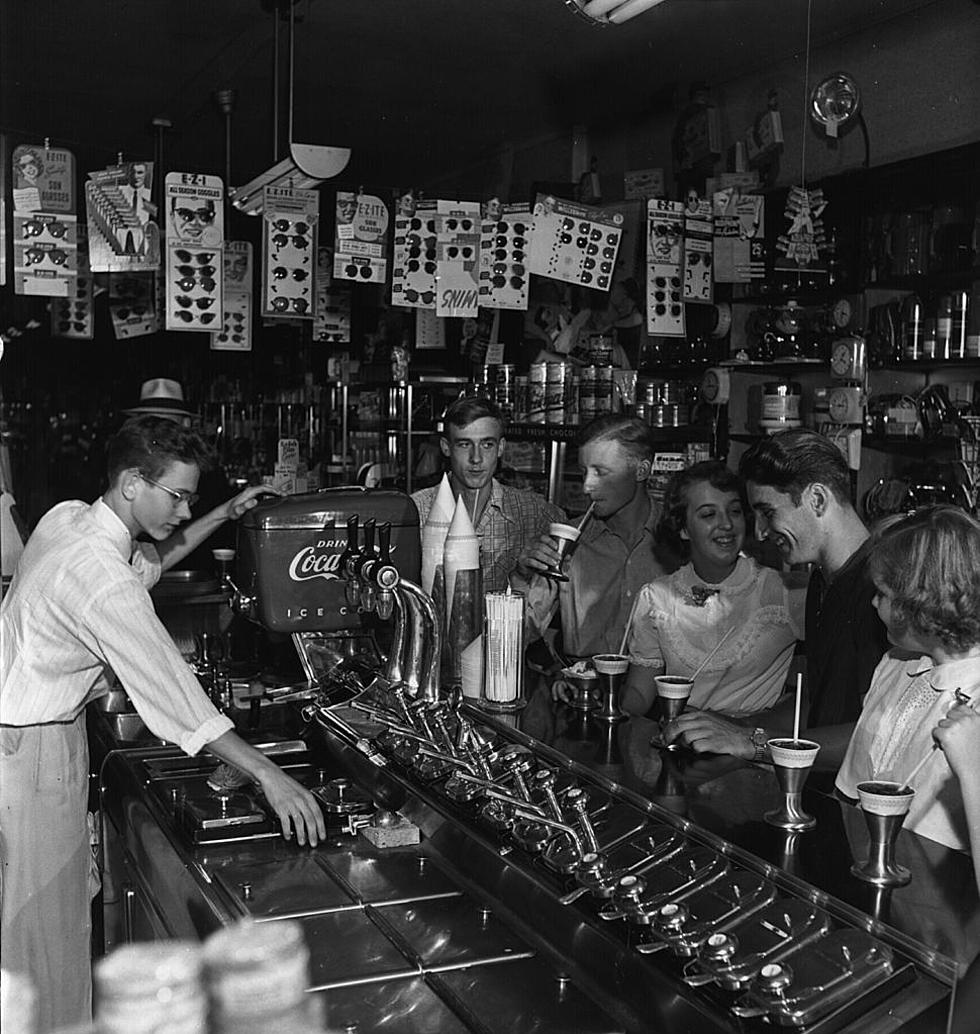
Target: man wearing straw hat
(161,396)
(615,555)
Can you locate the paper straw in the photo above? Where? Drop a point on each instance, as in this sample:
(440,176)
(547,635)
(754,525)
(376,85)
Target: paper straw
(629,622)
(504,645)
(586,516)
(796,712)
(932,750)
(719,645)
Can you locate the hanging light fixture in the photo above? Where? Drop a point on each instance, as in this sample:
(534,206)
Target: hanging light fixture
(601,13)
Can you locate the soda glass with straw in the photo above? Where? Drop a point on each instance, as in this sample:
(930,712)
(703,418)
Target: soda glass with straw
(566,538)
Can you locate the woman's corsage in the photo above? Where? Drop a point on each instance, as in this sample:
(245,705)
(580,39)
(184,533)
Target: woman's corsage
(699,595)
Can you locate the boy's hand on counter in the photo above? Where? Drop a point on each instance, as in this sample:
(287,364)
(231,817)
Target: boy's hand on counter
(708,733)
(296,807)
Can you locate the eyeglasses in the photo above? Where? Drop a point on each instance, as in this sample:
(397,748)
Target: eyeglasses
(462,224)
(55,255)
(191,271)
(201,215)
(202,258)
(202,303)
(188,317)
(35,227)
(190,498)
(187,283)
(282,304)
(280,240)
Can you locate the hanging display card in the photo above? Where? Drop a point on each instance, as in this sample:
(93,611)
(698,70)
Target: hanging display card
(738,228)
(333,303)
(44,224)
(123,234)
(361,238)
(430,331)
(236,328)
(289,249)
(458,251)
(3,238)
(132,304)
(577,244)
(74,316)
(504,239)
(413,273)
(805,240)
(640,184)
(697,278)
(195,264)
(665,229)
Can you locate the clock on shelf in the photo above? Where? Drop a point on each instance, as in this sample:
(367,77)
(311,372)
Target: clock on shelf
(846,405)
(716,386)
(849,358)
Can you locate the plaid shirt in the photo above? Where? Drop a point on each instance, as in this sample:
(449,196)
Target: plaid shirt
(513,518)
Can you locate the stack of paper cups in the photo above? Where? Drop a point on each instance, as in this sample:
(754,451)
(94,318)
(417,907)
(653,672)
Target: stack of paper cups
(434,533)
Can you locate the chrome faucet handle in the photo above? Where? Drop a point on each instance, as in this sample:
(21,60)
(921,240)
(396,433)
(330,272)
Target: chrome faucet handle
(578,800)
(544,781)
(562,827)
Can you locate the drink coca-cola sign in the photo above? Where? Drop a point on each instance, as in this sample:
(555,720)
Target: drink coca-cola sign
(321,560)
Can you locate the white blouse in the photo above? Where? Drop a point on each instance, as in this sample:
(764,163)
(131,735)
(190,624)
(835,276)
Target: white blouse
(680,619)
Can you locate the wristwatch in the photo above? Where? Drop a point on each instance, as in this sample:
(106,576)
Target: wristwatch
(759,738)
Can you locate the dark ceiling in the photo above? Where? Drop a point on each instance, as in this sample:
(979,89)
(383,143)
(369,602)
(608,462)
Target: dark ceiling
(417,88)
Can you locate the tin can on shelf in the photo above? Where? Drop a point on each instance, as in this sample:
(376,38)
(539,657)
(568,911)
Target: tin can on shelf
(536,393)
(603,390)
(521,399)
(586,393)
(559,376)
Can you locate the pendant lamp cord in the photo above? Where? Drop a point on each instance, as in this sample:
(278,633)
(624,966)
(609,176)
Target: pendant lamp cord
(804,122)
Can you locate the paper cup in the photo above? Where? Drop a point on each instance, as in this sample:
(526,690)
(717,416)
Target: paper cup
(884,797)
(673,687)
(790,753)
(611,663)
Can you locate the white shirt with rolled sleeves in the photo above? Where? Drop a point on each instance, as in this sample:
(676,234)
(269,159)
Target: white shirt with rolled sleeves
(78,605)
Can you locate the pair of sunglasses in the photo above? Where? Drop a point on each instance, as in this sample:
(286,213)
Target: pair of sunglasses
(459,224)
(502,267)
(430,253)
(35,256)
(77,325)
(205,271)
(501,254)
(518,228)
(190,317)
(695,258)
(283,225)
(202,258)
(456,252)
(661,310)
(516,242)
(661,281)
(280,240)
(35,227)
(364,272)
(283,304)
(516,282)
(414,266)
(201,303)
(416,224)
(426,297)
(188,283)
(281,272)
(201,215)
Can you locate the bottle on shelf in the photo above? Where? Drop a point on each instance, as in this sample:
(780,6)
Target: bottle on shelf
(913,328)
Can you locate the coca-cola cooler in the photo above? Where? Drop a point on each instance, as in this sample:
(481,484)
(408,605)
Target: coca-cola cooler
(288,563)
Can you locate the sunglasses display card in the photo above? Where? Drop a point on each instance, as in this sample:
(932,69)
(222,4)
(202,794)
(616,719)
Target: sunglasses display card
(123,235)
(361,238)
(739,229)
(74,316)
(665,235)
(503,259)
(45,254)
(289,250)
(577,244)
(235,334)
(413,273)
(43,179)
(458,250)
(132,308)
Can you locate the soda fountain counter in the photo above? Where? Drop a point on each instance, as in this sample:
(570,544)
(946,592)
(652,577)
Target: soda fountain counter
(543,871)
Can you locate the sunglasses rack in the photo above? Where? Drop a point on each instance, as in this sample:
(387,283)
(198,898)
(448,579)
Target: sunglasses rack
(132,307)
(574,243)
(697,279)
(74,316)
(236,326)
(361,238)
(333,304)
(503,259)
(289,249)
(413,275)
(458,250)
(665,234)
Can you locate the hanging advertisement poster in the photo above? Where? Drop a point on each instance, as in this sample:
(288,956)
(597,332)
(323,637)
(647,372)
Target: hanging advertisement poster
(44,225)
(361,238)
(665,240)
(575,243)
(195,240)
(123,234)
(458,258)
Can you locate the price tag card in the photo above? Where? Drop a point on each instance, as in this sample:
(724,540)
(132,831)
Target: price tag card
(577,244)
(413,274)
(665,229)
(123,235)
(361,238)
(504,240)
(289,238)
(458,251)
(236,328)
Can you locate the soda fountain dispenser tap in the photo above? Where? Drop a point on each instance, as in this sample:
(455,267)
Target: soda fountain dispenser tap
(347,561)
(364,588)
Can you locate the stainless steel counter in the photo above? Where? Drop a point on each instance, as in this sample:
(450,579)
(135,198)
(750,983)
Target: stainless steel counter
(467,931)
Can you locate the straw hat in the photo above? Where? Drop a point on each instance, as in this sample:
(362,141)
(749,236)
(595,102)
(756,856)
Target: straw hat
(161,397)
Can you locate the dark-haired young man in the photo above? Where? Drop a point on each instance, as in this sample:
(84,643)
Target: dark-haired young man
(799,488)
(77,606)
(505,518)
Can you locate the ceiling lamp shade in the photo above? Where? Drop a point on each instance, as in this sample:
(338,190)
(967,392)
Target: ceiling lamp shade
(307,166)
(835,102)
(601,13)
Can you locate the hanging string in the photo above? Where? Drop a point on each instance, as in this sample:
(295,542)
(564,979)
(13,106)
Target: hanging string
(804,124)
(292,73)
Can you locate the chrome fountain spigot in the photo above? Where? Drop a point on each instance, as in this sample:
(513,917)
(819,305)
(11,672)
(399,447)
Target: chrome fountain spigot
(544,782)
(352,591)
(384,577)
(578,800)
(362,566)
(565,857)
(528,833)
(424,643)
